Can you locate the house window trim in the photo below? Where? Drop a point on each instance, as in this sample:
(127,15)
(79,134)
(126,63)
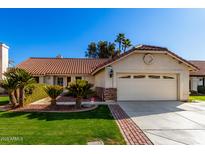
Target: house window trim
(78,77)
(154,76)
(62,81)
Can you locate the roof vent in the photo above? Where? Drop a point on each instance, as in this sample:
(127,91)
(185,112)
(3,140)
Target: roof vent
(59,56)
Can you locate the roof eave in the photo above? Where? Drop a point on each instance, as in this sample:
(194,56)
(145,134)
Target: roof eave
(194,68)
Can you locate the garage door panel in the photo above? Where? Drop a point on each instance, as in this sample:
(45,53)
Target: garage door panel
(147,88)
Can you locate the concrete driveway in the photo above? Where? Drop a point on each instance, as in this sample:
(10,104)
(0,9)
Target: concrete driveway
(169,122)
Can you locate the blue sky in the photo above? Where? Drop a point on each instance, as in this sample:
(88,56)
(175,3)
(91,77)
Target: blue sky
(49,32)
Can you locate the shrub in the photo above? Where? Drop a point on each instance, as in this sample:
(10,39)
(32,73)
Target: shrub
(34,92)
(201,89)
(80,89)
(193,92)
(29,89)
(53,92)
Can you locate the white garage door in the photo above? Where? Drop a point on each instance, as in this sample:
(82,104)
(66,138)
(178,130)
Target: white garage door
(147,87)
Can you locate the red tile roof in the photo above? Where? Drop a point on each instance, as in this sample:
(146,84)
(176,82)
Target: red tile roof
(200,65)
(43,66)
(51,66)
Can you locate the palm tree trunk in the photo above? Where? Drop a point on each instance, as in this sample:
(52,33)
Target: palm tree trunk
(21,97)
(53,102)
(13,99)
(125,48)
(78,103)
(17,95)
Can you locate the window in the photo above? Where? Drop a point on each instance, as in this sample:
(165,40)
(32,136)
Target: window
(168,77)
(37,79)
(68,80)
(60,81)
(78,77)
(154,76)
(125,77)
(138,76)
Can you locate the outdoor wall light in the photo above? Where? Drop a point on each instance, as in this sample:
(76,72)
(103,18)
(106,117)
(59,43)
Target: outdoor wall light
(110,71)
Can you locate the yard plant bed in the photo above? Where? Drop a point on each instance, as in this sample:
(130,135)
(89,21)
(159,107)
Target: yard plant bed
(52,108)
(59,128)
(72,99)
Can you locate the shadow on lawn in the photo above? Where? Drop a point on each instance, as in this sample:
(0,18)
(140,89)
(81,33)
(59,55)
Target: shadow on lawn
(102,112)
(4,102)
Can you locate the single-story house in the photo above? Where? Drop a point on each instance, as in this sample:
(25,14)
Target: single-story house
(197,78)
(142,73)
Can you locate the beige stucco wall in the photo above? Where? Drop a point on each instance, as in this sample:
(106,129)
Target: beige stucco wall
(4,59)
(162,64)
(53,79)
(100,79)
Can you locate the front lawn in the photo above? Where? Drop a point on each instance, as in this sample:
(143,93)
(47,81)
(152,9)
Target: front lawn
(199,98)
(4,100)
(59,128)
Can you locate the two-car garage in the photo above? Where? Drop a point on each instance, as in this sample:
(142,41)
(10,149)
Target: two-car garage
(147,87)
(145,73)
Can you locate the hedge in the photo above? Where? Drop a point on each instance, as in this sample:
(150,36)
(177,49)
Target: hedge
(34,92)
(201,89)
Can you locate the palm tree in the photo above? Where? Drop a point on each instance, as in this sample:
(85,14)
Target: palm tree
(10,85)
(53,92)
(126,44)
(80,89)
(119,40)
(23,78)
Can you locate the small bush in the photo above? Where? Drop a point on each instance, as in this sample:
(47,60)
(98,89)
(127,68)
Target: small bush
(29,90)
(193,93)
(201,89)
(34,92)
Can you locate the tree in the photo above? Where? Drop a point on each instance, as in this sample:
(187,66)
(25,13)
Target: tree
(126,43)
(102,49)
(53,92)
(92,50)
(15,81)
(80,89)
(119,40)
(106,49)
(10,85)
(23,78)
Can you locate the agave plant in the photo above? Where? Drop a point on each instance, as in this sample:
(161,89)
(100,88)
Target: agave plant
(53,92)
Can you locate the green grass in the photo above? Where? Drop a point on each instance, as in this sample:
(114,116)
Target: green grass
(199,98)
(4,100)
(59,128)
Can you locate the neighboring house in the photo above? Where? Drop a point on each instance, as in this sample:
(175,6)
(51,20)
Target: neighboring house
(142,73)
(197,78)
(4,61)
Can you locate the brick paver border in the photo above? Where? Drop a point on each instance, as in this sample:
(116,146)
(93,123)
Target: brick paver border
(132,133)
